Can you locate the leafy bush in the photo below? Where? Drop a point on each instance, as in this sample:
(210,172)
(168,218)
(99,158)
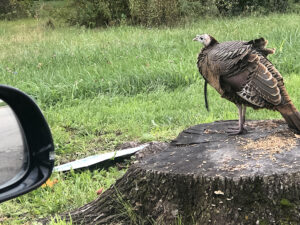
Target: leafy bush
(93,13)
(119,10)
(169,12)
(197,8)
(4,7)
(154,12)
(50,9)
(238,7)
(13,9)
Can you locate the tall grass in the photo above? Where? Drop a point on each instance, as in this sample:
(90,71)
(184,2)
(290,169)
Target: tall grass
(69,63)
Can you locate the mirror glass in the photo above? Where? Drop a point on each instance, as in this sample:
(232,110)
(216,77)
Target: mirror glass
(13,152)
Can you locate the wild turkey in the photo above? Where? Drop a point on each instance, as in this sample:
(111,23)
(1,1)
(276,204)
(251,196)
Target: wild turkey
(241,73)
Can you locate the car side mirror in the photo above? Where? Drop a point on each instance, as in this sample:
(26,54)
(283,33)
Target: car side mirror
(26,145)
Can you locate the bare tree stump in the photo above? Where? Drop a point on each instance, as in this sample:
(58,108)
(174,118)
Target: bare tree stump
(207,177)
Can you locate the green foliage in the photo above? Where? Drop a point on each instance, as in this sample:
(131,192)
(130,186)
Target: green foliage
(94,13)
(286,203)
(295,8)
(4,6)
(14,9)
(56,220)
(154,12)
(119,10)
(238,7)
(147,12)
(50,9)
(197,8)
(167,12)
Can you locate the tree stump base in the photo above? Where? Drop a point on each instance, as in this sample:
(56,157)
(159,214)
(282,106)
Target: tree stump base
(206,176)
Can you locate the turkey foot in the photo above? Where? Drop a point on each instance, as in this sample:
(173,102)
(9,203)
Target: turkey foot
(236,131)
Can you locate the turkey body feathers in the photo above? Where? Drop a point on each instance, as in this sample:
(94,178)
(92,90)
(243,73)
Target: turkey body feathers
(241,73)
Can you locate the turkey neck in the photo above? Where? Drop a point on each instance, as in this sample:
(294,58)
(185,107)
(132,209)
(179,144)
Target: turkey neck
(205,71)
(204,51)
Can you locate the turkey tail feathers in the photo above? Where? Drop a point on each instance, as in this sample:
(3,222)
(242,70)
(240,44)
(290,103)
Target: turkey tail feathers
(291,116)
(260,44)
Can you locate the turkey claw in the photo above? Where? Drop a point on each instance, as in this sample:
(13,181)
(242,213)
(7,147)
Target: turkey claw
(236,131)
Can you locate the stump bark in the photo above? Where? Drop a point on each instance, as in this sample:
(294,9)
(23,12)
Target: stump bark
(205,176)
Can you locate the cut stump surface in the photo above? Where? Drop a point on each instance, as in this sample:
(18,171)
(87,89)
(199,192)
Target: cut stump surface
(205,176)
(268,148)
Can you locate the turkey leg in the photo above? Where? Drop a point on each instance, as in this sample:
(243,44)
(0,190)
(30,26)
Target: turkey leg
(242,115)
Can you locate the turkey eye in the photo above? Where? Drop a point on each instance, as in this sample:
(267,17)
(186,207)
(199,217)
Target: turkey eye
(201,38)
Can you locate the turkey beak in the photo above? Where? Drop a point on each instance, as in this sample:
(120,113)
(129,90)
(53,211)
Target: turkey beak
(195,39)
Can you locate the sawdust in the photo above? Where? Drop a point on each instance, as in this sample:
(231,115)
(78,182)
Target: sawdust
(232,168)
(270,145)
(266,125)
(261,148)
(208,131)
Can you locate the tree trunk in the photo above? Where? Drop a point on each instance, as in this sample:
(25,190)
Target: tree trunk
(205,176)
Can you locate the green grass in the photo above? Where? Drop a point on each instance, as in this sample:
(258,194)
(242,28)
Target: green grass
(72,190)
(71,69)
(99,88)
